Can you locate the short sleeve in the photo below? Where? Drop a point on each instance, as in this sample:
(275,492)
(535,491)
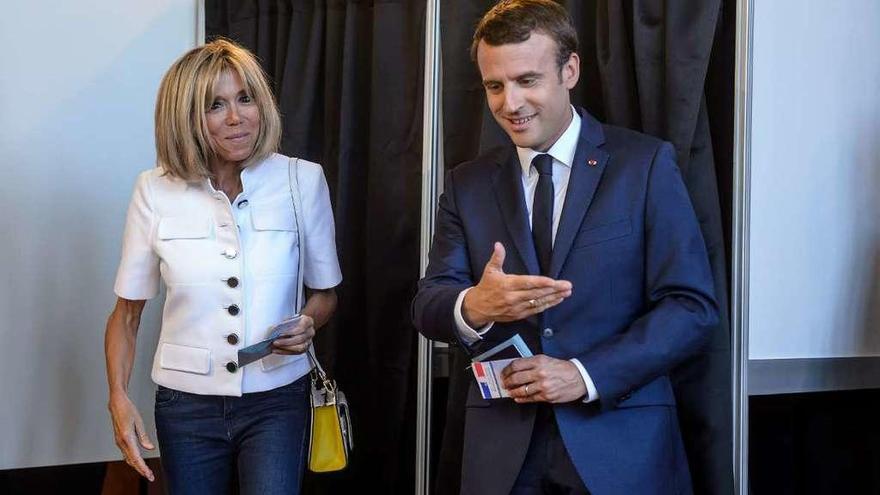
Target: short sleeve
(321,264)
(138,275)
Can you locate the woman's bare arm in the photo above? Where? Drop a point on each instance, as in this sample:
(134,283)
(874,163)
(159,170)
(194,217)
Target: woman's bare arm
(119,349)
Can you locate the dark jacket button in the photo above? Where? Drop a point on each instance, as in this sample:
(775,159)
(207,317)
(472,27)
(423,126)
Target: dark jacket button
(547,333)
(231,367)
(232,339)
(233,310)
(242,203)
(232,282)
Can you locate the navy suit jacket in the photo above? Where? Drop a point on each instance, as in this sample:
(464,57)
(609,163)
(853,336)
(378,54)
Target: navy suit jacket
(642,302)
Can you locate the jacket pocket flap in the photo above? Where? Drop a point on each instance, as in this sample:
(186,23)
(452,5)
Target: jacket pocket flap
(183,228)
(657,393)
(273,219)
(185,358)
(605,232)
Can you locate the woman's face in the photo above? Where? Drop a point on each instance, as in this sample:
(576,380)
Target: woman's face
(233,119)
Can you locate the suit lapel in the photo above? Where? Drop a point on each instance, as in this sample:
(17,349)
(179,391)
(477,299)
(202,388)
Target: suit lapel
(586,172)
(507,185)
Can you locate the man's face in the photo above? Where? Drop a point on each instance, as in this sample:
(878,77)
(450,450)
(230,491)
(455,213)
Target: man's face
(526,91)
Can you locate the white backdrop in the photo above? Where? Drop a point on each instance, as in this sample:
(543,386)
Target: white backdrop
(814,288)
(77,88)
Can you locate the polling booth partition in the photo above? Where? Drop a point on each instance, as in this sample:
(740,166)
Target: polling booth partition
(805,250)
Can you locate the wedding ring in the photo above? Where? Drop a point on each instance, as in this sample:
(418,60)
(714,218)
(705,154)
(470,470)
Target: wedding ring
(527,390)
(533,303)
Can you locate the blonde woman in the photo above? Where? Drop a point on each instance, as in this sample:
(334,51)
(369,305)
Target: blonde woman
(214,222)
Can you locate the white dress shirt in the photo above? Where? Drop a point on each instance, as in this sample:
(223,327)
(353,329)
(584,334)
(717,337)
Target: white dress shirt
(562,151)
(229,268)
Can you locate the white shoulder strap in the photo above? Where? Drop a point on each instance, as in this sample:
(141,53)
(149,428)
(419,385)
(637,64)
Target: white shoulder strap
(296,201)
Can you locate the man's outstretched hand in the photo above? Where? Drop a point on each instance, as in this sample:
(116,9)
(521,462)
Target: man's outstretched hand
(501,297)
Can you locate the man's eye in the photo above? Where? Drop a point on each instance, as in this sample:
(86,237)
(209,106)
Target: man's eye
(528,81)
(492,87)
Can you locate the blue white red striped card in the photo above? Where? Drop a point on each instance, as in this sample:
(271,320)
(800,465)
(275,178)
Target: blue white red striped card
(488,375)
(487,371)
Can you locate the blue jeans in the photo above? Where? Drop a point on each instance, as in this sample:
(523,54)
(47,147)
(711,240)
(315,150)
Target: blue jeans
(205,439)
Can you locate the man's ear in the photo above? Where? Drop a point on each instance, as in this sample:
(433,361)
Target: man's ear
(570,71)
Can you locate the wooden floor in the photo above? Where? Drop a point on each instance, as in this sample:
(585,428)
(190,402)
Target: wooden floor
(120,479)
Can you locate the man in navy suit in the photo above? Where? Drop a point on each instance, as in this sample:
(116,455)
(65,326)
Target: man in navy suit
(581,238)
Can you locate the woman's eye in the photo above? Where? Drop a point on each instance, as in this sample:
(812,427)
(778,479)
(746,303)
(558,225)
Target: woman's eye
(215,106)
(246,99)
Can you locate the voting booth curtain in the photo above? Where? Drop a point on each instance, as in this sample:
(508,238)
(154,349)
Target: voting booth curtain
(348,77)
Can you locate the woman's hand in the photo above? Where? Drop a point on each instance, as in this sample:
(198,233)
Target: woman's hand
(297,341)
(130,434)
(320,305)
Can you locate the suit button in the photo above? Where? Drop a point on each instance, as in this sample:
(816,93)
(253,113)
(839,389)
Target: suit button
(624,398)
(547,333)
(232,339)
(242,203)
(231,367)
(230,253)
(233,310)
(232,282)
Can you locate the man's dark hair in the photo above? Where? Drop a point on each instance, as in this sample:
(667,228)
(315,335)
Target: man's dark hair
(514,21)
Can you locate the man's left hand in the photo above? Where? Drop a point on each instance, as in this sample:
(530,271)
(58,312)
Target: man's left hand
(543,379)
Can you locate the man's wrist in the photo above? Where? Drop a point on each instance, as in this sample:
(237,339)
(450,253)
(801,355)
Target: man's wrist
(592,394)
(470,317)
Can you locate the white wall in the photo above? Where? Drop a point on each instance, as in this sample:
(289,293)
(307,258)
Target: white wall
(815,186)
(77,89)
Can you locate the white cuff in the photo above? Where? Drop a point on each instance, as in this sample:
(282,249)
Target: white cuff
(467,334)
(592,393)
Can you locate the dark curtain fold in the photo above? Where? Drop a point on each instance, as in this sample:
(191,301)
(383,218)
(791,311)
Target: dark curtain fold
(348,78)
(653,59)
(644,65)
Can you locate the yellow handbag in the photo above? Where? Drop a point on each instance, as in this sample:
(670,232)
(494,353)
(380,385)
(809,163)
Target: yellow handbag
(330,438)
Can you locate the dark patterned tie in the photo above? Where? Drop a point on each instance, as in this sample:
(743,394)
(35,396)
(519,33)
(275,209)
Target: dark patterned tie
(542,211)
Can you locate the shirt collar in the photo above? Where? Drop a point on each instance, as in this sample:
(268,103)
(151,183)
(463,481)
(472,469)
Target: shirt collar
(562,150)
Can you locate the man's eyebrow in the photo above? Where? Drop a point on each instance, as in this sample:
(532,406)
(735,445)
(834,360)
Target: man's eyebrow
(530,74)
(524,75)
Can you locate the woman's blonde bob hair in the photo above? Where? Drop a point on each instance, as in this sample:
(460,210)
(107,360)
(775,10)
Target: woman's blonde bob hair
(183,146)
